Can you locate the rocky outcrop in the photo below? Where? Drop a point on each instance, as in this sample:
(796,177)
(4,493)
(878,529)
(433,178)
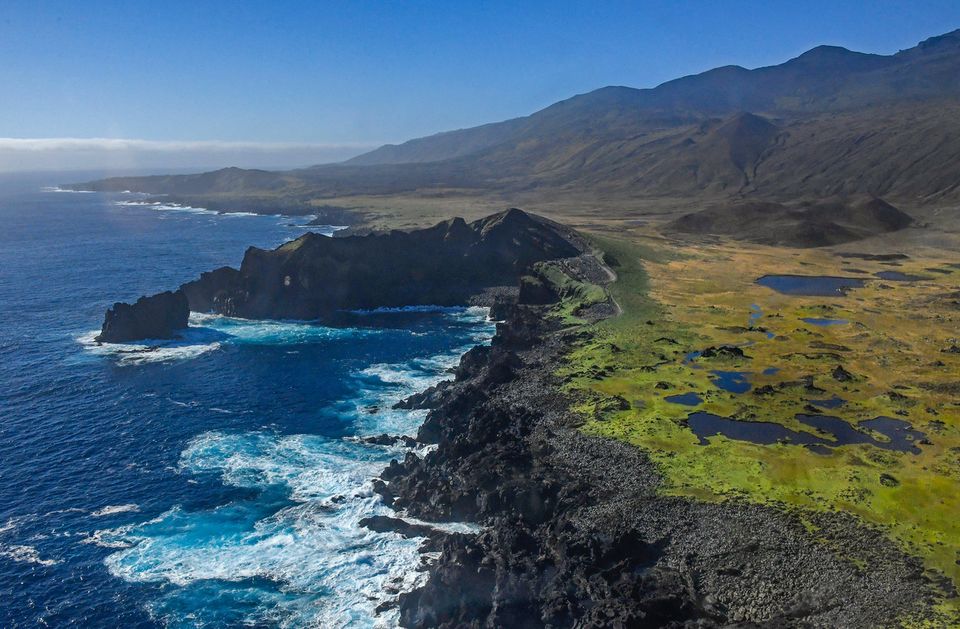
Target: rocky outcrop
(160,316)
(314,277)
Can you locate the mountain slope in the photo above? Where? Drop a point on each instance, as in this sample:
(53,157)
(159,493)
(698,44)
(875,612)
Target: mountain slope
(826,78)
(829,122)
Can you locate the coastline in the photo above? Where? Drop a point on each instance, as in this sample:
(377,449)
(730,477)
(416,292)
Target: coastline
(573,529)
(575,532)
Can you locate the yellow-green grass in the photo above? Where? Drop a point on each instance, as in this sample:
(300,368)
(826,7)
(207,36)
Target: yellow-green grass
(677,299)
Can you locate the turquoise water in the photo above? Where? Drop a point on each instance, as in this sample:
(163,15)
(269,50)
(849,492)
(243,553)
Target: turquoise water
(212,481)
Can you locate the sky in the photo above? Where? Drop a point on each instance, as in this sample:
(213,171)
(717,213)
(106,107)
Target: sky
(275,83)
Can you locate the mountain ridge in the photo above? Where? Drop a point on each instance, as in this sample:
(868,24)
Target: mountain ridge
(828,122)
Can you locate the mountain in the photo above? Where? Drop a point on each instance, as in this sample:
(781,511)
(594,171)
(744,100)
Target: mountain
(829,122)
(826,78)
(818,224)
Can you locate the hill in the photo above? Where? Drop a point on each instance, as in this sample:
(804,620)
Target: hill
(812,224)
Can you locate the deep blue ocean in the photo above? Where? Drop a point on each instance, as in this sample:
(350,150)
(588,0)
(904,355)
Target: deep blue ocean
(210,482)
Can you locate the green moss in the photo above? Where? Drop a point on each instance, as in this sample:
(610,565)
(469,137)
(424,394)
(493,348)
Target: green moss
(698,298)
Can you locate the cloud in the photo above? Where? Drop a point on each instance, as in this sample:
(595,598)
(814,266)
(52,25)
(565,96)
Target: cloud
(23,154)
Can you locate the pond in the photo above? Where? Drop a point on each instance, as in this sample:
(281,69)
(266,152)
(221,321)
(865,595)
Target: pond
(823,322)
(830,432)
(833,402)
(706,425)
(732,381)
(816,285)
(897,276)
(687,399)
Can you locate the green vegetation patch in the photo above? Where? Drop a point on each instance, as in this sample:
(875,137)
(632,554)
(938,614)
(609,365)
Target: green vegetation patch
(894,349)
(575,295)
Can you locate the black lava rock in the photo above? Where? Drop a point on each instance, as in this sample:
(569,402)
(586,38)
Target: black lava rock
(160,316)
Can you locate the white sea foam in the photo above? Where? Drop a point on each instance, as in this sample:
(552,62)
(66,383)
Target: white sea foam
(25,554)
(311,547)
(166,207)
(148,351)
(59,189)
(210,332)
(409,377)
(114,509)
(468,528)
(329,571)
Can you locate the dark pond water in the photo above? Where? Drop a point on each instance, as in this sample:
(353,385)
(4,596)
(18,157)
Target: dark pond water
(895,434)
(771,371)
(732,381)
(823,322)
(833,402)
(692,356)
(898,276)
(819,285)
(898,435)
(706,425)
(687,399)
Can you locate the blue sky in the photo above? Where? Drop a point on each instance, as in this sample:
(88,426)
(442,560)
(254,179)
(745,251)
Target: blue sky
(345,75)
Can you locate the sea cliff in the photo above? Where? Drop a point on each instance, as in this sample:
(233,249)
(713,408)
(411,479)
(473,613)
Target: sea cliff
(316,277)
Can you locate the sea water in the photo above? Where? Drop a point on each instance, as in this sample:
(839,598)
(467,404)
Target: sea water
(212,481)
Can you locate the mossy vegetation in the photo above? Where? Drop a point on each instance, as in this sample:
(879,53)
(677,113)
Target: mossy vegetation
(575,295)
(896,350)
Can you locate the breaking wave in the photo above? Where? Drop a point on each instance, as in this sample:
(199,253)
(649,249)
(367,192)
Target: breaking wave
(291,552)
(209,332)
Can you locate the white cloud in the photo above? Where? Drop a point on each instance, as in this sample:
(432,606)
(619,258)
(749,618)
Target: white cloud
(25,154)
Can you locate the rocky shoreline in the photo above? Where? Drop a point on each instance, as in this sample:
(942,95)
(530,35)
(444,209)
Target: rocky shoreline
(575,533)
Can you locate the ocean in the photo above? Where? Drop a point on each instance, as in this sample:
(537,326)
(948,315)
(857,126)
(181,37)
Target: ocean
(213,481)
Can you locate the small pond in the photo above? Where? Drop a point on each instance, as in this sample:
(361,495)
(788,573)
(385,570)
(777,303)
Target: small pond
(823,322)
(732,381)
(687,399)
(833,402)
(706,425)
(830,432)
(819,285)
(897,276)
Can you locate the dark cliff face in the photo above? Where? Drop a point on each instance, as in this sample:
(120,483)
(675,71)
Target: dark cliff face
(157,317)
(315,276)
